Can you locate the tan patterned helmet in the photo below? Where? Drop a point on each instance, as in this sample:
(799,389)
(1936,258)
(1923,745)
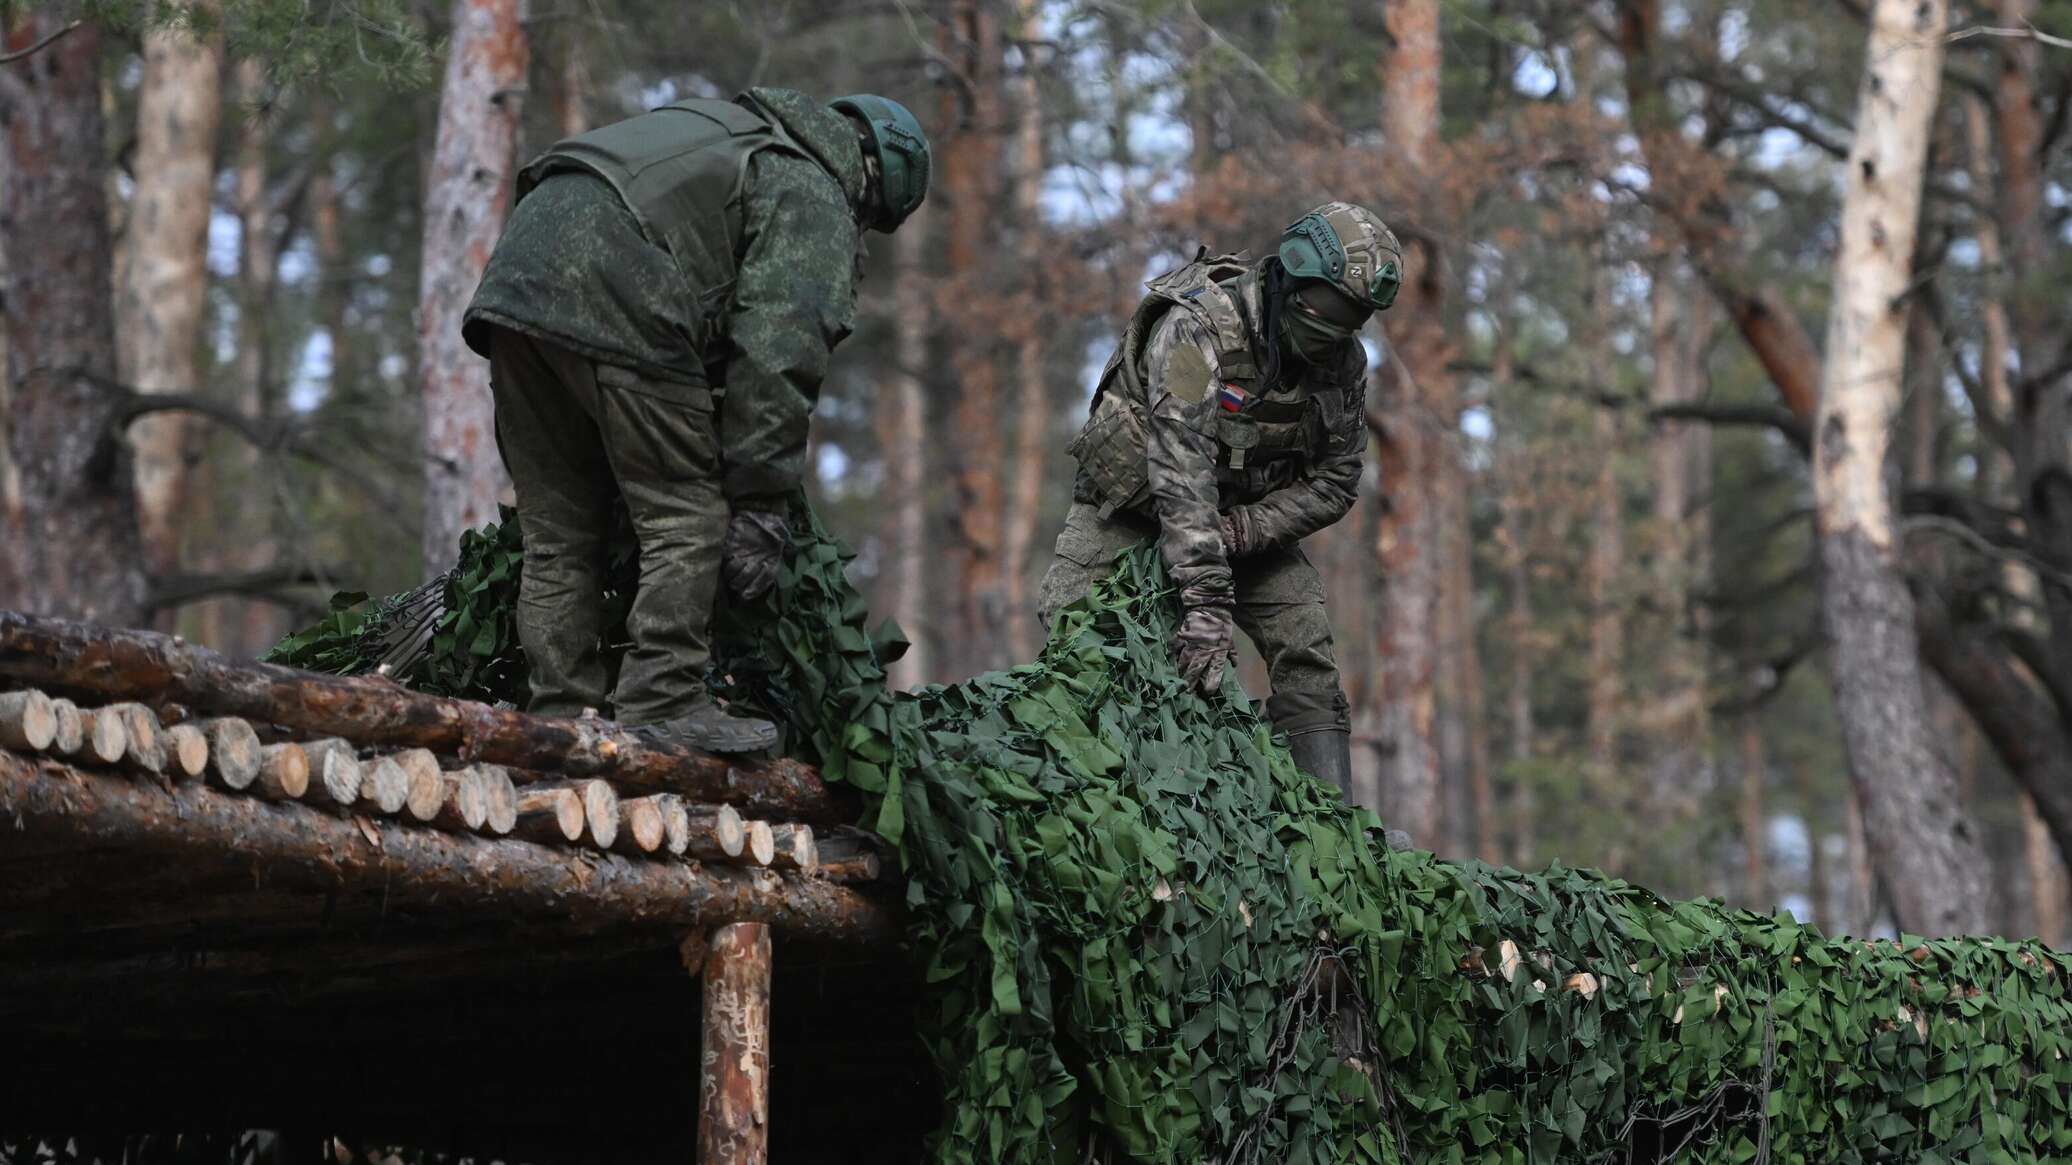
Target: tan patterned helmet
(1349,248)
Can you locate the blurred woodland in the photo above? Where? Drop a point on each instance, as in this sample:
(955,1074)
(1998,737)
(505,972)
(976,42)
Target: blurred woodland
(1580,607)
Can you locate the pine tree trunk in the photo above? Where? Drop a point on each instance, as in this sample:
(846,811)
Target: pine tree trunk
(72,544)
(467,194)
(1607,558)
(1755,861)
(1925,846)
(970,176)
(2049,894)
(1415,399)
(159,305)
(903,438)
(1033,414)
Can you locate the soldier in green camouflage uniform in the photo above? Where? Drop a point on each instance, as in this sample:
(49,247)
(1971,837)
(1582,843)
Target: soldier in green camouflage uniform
(658,316)
(1230,424)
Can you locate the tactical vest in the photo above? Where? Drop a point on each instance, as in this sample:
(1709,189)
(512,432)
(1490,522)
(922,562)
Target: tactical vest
(680,169)
(1265,443)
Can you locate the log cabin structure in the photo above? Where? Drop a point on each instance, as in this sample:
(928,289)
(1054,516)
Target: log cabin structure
(235,895)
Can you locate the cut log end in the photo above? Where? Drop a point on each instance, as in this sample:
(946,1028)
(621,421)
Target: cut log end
(500,798)
(146,737)
(676,823)
(186,751)
(335,773)
(27,721)
(107,735)
(643,824)
(384,787)
(283,772)
(762,843)
(465,801)
(550,813)
(794,848)
(234,752)
(426,791)
(69,739)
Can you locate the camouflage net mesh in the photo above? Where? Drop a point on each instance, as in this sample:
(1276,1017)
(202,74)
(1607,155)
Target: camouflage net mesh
(1149,938)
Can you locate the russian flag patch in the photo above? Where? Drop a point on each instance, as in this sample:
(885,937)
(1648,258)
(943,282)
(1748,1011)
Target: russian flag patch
(1232,398)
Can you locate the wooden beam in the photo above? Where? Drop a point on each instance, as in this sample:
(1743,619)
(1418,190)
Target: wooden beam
(734,1075)
(375,712)
(298,848)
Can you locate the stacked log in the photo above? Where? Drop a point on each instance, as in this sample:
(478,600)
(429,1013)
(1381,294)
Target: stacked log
(376,713)
(335,775)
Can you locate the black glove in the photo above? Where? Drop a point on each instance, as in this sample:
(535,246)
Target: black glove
(1202,646)
(756,541)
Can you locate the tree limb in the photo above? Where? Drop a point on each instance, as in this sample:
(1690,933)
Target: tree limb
(39,46)
(1771,416)
(267,583)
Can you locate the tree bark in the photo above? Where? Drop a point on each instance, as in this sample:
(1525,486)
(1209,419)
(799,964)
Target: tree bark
(467,194)
(1033,414)
(72,541)
(970,176)
(1416,403)
(1607,557)
(378,713)
(417,867)
(734,1080)
(1925,846)
(903,440)
(2049,894)
(1755,862)
(159,307)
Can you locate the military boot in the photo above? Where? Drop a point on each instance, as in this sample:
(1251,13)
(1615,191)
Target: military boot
(1327,755)
(710,728)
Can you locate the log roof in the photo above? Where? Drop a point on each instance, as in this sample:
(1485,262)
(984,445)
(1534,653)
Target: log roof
(167,881)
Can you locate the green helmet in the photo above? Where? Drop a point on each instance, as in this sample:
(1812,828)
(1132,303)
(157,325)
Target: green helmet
(1349,248)
(897,150)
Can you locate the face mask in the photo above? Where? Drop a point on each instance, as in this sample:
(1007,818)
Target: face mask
(1309,338)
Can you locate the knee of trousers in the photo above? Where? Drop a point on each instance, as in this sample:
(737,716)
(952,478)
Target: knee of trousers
(1299,711)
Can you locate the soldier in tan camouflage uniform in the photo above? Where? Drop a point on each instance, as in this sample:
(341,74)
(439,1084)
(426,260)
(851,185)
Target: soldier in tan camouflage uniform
(658,316)
(1230,424)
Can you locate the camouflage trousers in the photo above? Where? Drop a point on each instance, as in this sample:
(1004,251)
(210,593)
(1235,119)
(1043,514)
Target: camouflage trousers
(1280,607)
(577,436)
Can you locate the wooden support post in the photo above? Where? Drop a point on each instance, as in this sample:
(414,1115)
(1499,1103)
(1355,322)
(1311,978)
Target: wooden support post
(734,1080)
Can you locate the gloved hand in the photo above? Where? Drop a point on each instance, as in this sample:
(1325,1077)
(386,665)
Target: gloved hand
(755,546)
(1202,646)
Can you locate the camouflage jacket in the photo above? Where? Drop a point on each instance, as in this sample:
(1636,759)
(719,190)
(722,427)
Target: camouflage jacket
(575,268)
(1183,398)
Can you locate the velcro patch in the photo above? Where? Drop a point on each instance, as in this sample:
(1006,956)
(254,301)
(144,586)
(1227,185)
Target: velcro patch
(1187,373)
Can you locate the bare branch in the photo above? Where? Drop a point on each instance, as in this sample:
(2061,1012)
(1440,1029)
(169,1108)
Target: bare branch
(1769,416)
(267,583)
(2026,32)
(39,46)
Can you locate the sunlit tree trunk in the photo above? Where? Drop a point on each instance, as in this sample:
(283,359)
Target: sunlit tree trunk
(72,544)
(1033,411)
(1415,402)
(159,305)
(467,194)
(1925,846)
(903,438)
(972,121)
(2049,894)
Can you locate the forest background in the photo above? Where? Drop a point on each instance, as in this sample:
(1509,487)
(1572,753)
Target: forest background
(1580,604)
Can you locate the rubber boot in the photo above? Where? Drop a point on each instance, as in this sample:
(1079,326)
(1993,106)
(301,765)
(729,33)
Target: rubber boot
(1327,755)
(710,728)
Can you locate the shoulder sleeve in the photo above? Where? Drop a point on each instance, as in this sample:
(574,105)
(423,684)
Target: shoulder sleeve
(794,300)
(1180,453)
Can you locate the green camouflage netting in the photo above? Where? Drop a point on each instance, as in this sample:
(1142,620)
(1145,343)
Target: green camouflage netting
(1129,907)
